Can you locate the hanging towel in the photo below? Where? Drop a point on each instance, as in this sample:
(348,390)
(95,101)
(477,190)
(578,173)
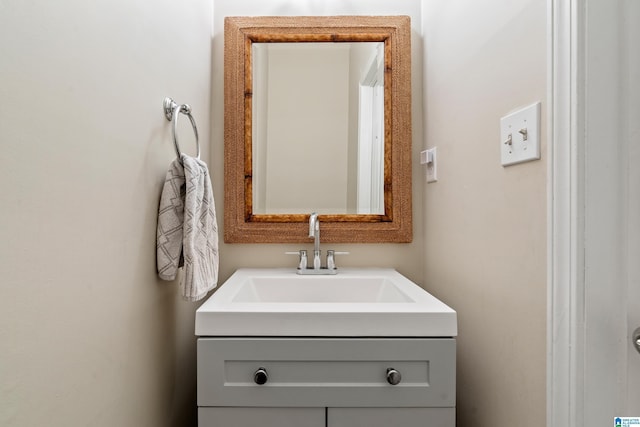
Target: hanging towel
(187,232)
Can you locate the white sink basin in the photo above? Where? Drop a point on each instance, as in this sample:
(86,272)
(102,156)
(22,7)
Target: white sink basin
(319,289)
(354,302)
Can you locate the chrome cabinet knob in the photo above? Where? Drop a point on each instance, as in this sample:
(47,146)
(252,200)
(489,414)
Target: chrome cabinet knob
(393,377)
(260,376)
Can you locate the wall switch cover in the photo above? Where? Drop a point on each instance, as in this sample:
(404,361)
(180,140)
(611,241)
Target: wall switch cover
(520,135)
(429,159)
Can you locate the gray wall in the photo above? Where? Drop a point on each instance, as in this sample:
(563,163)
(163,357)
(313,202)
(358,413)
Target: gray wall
(485,225)
(88,334)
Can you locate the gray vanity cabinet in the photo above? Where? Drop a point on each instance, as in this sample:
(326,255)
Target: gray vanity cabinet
(335,382)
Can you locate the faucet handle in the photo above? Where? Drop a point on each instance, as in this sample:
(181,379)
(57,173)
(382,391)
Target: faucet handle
(331,259)
(302,263)
(317,264)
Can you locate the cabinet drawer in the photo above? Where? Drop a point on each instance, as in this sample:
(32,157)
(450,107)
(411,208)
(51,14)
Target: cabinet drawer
(326,372)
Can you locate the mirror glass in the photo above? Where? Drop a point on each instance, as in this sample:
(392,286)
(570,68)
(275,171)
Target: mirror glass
(318,128)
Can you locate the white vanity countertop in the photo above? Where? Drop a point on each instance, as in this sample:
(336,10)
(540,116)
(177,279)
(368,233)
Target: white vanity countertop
(353,303)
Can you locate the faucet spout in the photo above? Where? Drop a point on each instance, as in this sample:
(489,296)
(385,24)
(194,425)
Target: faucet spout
(314,230)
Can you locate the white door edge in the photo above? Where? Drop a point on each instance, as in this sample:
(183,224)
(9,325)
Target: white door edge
(565,308)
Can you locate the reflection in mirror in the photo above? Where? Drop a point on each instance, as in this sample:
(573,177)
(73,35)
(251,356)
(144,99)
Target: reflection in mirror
(318,116)
(287,156)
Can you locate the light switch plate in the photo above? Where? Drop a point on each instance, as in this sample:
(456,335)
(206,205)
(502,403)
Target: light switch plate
(520,135)
(429,159)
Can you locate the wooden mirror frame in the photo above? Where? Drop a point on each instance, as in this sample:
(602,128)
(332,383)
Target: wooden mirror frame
(240,224)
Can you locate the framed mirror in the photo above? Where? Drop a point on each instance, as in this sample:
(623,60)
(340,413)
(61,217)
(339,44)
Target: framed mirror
(317,119)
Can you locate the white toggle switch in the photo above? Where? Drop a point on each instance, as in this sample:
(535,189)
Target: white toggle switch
(520,135)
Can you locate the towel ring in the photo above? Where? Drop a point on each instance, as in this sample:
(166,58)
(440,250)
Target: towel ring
(171,110)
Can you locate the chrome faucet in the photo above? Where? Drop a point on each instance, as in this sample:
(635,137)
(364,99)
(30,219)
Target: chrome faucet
(316,268)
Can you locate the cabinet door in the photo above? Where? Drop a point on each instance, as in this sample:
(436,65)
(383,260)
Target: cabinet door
(263,417)
(386,417)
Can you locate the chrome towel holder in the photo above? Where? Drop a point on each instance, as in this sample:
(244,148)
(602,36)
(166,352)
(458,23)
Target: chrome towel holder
(171,110)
